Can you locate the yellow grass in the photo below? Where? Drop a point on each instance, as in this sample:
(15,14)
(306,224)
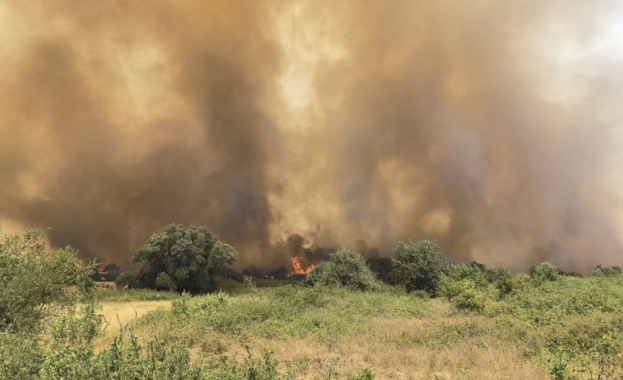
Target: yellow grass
(118,314)
(382,348)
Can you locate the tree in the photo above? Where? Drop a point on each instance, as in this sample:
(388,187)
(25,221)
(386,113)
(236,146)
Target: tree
(344,269)
(183,259)
(35,281)
(419,265)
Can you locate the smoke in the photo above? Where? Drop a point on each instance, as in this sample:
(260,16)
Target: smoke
(492,127)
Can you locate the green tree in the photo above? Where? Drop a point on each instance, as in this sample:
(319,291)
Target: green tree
(183,259)
(344,269)
(35,281)
(419,265)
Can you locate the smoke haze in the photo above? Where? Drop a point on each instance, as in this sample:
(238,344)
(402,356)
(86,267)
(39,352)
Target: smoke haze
(493,127)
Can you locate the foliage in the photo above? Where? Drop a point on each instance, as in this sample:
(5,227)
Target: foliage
(464,285)
(587,349)
(600,271)
(344,269)
(543,272)
(34,281)
(502,279)
(183,259)
(468,296)
(419,265)
(127,280)
(381,267)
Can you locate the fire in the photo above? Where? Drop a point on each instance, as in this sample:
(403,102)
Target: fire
(101,271)
(298,268)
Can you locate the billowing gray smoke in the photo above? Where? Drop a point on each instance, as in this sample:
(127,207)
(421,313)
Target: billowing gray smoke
(493,127)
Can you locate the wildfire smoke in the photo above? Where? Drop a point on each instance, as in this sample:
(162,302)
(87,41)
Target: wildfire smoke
(492,127)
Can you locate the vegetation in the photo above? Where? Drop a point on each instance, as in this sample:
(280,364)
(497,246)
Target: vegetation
(344,269)
(34,282)
(487,323)
(419,265)
(543,272)
(600,271)
(181,259)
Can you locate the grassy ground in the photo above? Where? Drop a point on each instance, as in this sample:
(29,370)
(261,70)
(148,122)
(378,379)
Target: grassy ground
(571,326)
(396,336)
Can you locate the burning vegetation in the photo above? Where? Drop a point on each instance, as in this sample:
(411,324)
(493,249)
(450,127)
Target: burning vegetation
(297,268)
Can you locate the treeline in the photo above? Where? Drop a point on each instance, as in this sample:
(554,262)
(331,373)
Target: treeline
(190,260)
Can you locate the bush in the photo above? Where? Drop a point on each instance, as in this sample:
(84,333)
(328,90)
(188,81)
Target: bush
(419,265)
(497,274)
(468,297)
(344,269)
(127,280)
(543,272)
(501,278)
(34,281)
(600,271)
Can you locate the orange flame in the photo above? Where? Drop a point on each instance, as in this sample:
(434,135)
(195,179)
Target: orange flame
(298,268)
(101,271)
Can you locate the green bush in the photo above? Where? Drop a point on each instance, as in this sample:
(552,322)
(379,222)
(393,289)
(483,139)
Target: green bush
(34,281)
(344,269)
(600,271)
(501,278)
(543,272)
(20,356)
(468,296)
(419,265)
(467,271)
(127,280)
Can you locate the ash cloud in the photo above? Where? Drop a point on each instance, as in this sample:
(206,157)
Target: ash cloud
(493,128)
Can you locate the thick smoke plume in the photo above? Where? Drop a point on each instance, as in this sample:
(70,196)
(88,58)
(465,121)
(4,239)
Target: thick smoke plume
(493,127)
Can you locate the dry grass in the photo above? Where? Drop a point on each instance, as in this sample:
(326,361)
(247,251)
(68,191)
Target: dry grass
(119,314)
(385,350)
(393,347)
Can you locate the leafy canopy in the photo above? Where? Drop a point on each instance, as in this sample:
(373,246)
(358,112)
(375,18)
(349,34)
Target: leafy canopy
(419,265)
(344,269)
(183,259)
(35,282)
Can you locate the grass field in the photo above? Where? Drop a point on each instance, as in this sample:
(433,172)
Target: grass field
(560,329)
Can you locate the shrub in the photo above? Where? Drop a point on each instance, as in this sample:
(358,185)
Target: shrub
(344,269)
(543,272)
(419,265)
(501,278)
(127,280)
(496,274)
(34,281)
(600,271)
(467,271)
(468,297)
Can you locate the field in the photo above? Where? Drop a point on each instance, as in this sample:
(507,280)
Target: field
(567,328)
